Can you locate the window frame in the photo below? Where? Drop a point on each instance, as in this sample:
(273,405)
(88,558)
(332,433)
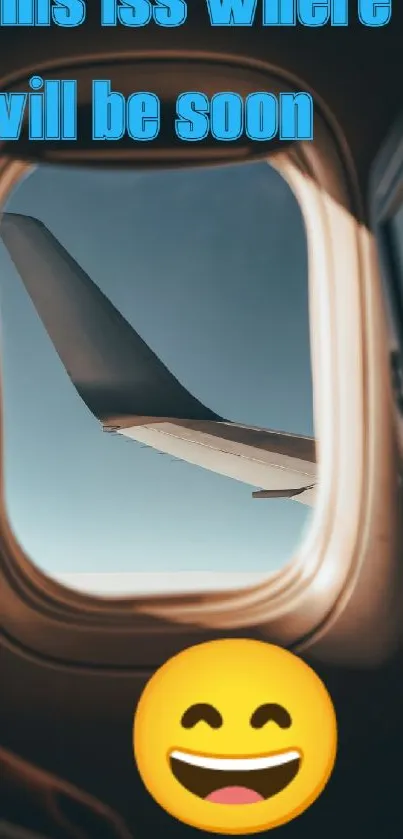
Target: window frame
(327,598)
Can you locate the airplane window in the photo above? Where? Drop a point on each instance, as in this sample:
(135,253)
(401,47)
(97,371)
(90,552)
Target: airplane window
(156,375)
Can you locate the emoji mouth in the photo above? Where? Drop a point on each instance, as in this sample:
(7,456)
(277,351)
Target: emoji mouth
(235,780)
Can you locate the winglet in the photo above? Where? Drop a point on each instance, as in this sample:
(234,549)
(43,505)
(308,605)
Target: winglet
(114,371)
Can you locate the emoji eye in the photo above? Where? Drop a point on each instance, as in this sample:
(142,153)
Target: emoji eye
(202,711)
(270,712)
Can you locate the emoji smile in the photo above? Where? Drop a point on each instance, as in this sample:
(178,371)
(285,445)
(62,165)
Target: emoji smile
(235,780)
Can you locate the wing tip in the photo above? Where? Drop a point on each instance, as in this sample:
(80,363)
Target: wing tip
(18,220)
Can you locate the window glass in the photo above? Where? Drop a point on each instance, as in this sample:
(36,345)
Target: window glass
(209,267)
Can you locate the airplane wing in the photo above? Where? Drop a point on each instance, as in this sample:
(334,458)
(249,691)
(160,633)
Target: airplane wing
(129,389)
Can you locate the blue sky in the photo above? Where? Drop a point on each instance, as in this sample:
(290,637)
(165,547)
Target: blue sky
(210,267)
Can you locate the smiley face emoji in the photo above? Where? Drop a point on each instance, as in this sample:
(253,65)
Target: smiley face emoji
(235,736)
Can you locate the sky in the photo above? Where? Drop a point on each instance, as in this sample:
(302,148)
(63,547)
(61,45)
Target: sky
(210,267)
